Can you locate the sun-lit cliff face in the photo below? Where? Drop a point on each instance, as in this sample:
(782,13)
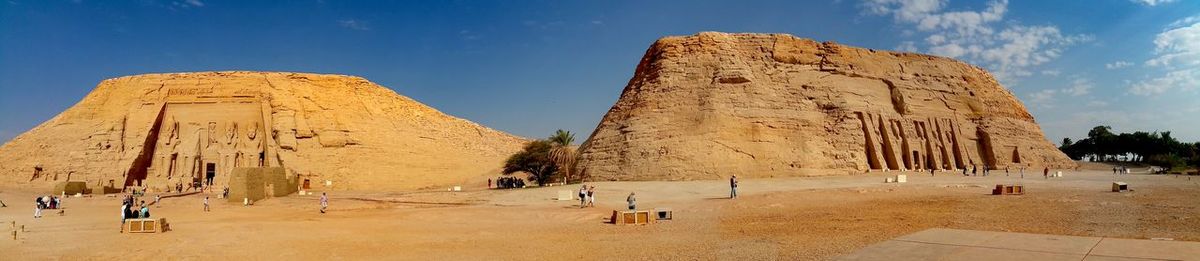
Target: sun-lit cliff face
(161,129)
(766,105)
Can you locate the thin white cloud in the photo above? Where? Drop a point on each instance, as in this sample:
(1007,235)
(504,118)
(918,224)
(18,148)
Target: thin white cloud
(1043,99)
(1051,72)
(355,24)
(1185,21)
(195,3)
(1153,2)
(1097,104)
(1117,65)
(1079,87)
(1009,50)
(907,46)
(1178,54)
(469,35)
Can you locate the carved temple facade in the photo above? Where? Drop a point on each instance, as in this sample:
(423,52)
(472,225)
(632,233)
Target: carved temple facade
(896,142)
(201,136)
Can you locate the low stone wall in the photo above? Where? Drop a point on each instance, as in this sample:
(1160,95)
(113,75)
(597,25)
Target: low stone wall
(260,183)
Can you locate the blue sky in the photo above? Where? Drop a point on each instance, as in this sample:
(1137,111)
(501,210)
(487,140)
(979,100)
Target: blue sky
(530,67)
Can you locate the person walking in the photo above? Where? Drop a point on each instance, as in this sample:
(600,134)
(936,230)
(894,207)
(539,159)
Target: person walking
(733,187)
(124,215)
(583,196)
(591,196)
(324,202)
(632,201)
(489,183)
(1046,173)
(205,203)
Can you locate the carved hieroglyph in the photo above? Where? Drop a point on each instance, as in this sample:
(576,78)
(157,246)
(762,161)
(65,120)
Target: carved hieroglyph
(758,105)
(159,130)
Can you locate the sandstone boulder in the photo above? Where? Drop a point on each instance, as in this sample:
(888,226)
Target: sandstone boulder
(771,105)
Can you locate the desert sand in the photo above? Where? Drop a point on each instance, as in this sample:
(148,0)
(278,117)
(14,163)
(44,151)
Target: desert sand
(778,218)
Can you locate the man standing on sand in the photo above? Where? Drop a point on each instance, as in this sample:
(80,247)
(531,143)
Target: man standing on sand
(37,211)
(206,203)
(591,197)
(583,196)
(1046,173)
(733,187)
(124,211)
(632,201)
(324,202)
(489,183)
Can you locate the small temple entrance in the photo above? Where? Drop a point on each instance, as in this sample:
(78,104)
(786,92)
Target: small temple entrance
(210,172)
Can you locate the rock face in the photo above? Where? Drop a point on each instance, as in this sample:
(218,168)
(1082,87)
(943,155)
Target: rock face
(159,130)
(758,105)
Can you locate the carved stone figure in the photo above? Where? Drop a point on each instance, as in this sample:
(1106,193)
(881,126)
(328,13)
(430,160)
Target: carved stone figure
(212,135)
(231,133)
(172,131)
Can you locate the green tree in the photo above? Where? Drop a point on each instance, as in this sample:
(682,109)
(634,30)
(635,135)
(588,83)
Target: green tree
(563,154)
(533,159)
(1103,142)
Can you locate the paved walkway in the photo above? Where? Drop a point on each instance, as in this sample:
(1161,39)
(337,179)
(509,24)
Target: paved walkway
(955,244)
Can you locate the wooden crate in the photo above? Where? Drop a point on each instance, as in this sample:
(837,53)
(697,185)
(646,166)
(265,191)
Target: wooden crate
(633,217)
(1009,190)
(145,225)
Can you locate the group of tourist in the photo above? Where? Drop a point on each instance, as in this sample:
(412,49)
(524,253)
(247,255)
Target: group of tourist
(46,202)
(507,183)
(131,211)
(1121,170)
(196,185)
(975,170)
(587,196)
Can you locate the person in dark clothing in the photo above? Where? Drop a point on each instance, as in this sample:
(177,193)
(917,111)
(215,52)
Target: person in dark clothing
(733,183)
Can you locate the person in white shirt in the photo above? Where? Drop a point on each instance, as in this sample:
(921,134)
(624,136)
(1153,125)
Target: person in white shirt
(591,197)
(632,201)
(324,202)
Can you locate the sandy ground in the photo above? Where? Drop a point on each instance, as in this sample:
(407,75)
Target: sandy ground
(774,219)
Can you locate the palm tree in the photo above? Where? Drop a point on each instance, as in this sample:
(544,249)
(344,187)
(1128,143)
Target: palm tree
(563,154)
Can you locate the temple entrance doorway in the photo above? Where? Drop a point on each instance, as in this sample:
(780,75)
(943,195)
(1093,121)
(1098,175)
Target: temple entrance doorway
(210,172)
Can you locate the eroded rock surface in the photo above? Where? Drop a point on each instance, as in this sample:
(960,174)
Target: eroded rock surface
(159,130)
(767,105)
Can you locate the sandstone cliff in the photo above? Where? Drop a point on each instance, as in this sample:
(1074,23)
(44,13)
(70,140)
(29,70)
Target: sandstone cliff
(158,130)
(767,105)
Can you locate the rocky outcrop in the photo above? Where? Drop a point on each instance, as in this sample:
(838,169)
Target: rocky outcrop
(159,130)
(770,105)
